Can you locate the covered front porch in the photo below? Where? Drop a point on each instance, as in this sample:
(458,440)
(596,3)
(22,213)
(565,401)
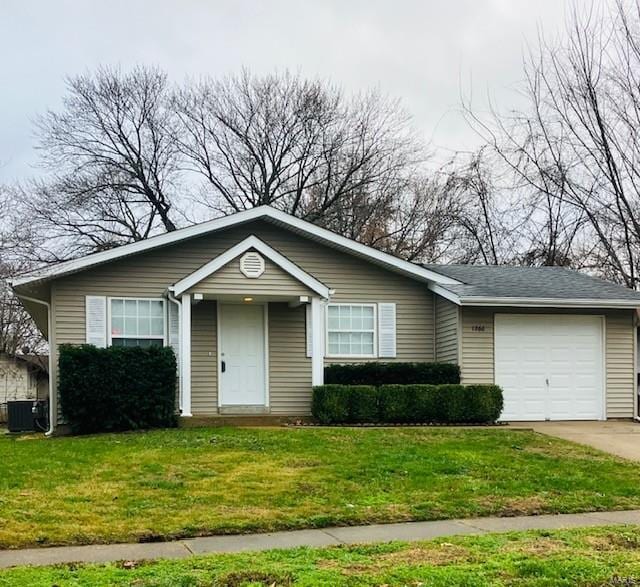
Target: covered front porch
(248,331)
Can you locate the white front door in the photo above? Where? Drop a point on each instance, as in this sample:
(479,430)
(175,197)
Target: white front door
(242,355)
(550,366)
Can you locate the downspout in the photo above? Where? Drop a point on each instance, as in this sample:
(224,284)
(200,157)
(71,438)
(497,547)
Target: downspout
(175,301)
(52,392)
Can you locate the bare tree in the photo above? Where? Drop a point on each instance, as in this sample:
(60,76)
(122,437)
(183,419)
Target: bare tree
(17,330)
(575,151)
(111,159)
(295,144)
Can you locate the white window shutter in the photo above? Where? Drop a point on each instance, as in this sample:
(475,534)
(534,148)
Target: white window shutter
(96,320)
(174,330)
(387,330)
(309,329)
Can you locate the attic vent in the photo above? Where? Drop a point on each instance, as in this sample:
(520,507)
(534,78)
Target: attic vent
(252,264)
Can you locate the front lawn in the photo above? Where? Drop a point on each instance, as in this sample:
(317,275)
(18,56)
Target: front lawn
(186,482)
(594,556)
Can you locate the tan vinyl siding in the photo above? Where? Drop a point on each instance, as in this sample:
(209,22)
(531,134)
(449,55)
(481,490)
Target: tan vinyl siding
(478,357)
(477,346)
(204,359)
(230,280)
(289,367)
(446,330)
(620,364)
(354,280)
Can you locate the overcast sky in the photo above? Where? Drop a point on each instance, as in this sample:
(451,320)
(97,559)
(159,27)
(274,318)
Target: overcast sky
(421,51)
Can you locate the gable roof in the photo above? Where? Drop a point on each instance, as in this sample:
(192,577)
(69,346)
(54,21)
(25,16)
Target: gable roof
(266,213)
(251,242)
(503,285)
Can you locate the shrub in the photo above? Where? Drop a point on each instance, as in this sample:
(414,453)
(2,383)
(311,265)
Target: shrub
(348,404)
(450,404)
(330,404)
(117,388)
(392,373)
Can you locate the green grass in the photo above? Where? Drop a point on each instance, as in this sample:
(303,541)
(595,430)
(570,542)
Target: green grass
(188,482)
(594,556)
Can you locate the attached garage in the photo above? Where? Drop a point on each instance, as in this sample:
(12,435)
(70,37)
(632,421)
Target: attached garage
(550,366)
(561,344)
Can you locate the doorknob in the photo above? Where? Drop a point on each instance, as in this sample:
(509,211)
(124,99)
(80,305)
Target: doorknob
(223,366)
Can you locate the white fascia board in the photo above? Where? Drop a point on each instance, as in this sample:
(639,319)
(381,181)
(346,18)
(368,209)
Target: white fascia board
(251,242)
(445,293)
(549,303)
(303,226)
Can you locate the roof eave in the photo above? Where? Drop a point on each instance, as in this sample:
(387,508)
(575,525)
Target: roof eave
(548,303)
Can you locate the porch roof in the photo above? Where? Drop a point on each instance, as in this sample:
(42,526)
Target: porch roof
(251,243)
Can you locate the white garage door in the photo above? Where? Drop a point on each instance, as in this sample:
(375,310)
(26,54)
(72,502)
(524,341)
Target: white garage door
(550,366)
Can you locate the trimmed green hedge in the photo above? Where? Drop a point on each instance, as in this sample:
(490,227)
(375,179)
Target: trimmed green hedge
(399,404)
(392,373)
(117,388)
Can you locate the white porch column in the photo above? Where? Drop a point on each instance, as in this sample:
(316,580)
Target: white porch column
(185,353)
(317,342)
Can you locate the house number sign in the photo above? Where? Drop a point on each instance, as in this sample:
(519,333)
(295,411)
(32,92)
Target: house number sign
(477,328)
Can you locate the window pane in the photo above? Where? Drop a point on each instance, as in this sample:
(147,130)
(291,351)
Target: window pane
(130,326)
(157,326)
(144,327)
(117,307)
(157,309)
(367,343)
(143,308)
(367,322)
(131,308)
(345,318)
(117,325)
(334,343)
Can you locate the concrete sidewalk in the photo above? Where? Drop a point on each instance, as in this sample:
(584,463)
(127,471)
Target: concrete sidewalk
(407,531)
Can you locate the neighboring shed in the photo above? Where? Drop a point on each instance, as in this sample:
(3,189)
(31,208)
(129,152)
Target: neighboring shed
(22,377)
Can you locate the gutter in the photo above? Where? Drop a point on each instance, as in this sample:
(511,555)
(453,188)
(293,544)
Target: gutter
(505,302)
(52,392)
(549,302)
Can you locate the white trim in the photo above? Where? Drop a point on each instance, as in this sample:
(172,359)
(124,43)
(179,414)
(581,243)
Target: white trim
(603,342)
(549,303)
(265,314)
(266,354)
(445,293)
(278,216)
(218,359)
(532,302)
(634,326)
(141,336)
(251,242)
(185,353)
(317,346)
(375,331)
(176,302)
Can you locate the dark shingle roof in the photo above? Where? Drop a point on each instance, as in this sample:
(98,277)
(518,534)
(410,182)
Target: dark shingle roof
(503,281)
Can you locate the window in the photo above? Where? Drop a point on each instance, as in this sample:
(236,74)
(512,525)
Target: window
(351,330)
(137,322)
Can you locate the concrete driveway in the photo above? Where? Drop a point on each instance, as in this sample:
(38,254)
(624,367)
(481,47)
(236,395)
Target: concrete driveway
(621,438)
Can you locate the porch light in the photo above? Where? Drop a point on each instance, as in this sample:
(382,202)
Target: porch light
(248,300)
